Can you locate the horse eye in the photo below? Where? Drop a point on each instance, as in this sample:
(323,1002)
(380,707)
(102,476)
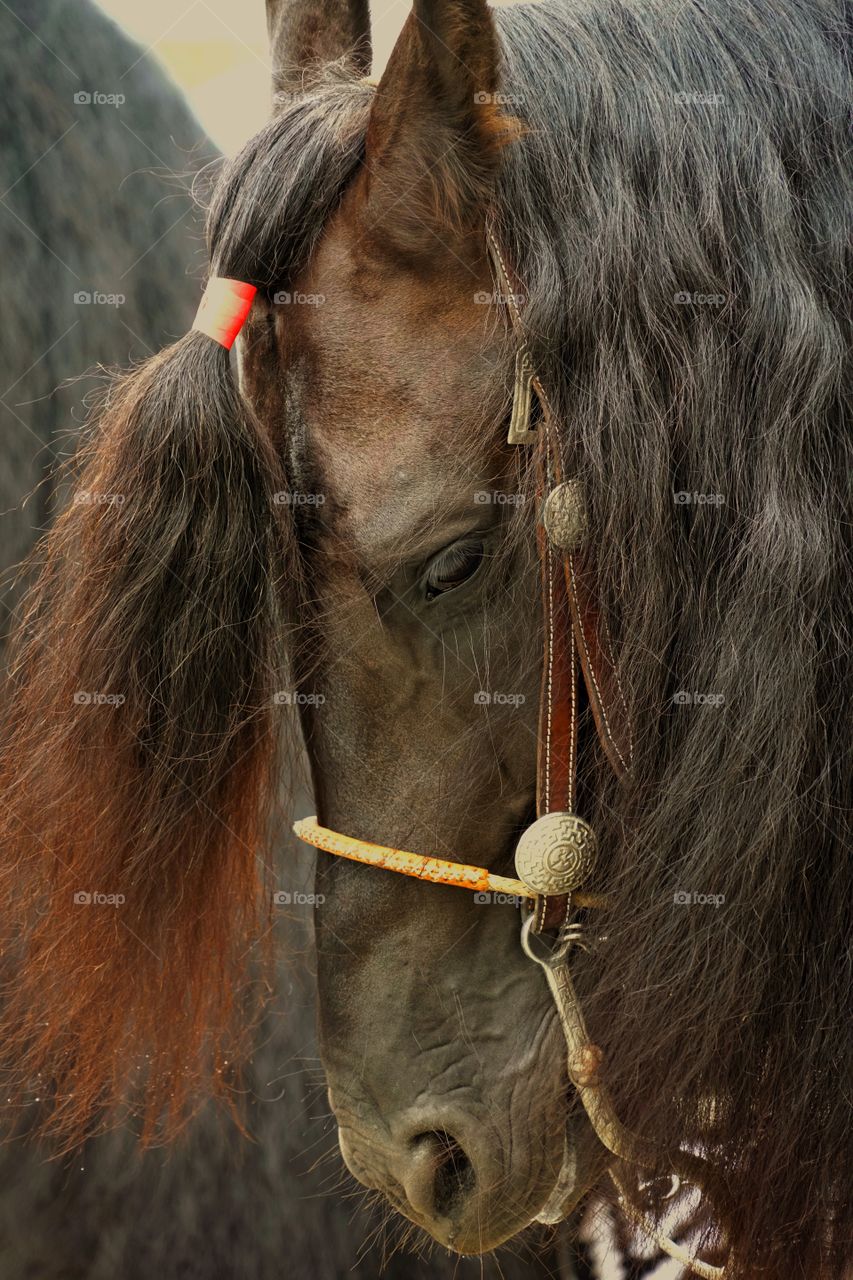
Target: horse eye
(453,566)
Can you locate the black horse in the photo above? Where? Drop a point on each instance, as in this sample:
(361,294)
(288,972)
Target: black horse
(667,182)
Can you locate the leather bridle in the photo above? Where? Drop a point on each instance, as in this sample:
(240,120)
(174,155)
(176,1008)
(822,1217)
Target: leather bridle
(557,852)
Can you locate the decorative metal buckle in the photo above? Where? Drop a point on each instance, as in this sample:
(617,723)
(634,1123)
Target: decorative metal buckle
(522,397)
(556,853)
(564,516)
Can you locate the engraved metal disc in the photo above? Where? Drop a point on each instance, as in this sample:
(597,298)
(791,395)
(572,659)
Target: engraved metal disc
(556,853)
(564,516)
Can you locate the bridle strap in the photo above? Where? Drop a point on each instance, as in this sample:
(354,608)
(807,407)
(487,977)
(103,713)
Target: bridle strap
(574,630)
(604,689)
(556,776)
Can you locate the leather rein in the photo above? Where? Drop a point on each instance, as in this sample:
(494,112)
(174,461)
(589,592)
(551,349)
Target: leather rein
(557,853)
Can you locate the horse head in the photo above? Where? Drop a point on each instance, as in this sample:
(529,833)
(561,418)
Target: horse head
(349,531)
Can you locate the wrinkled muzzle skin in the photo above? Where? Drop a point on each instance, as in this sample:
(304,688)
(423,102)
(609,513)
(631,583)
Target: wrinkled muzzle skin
(442,1055)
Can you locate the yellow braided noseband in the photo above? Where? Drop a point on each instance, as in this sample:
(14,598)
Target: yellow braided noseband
(436,870)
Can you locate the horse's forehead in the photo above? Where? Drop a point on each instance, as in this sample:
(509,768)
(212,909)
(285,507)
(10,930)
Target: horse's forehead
(392,342)
(402,371)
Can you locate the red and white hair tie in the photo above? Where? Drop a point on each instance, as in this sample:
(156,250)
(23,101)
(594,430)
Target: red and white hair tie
(223,309)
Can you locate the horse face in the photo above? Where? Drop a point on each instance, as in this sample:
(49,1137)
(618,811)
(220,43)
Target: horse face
(385,376)
(419,662)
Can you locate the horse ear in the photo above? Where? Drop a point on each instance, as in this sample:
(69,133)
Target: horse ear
(306,33)
(436,129)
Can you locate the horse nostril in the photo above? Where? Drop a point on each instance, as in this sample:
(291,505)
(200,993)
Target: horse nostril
(444,1176)
(454,1181)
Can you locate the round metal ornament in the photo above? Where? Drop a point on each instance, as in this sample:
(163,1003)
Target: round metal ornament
(564,516)
(556,853)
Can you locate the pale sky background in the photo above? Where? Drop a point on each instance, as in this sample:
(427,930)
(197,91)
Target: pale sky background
(216,50)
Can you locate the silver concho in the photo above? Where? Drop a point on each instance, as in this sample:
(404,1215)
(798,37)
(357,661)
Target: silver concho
(556,853)
(564,516)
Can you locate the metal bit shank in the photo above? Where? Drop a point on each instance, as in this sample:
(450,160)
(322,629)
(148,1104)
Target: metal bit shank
(585,1061)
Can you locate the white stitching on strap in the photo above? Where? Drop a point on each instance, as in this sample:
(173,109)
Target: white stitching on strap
(549,683)
(615,670)
(507,282)
(570,797)
(602,708)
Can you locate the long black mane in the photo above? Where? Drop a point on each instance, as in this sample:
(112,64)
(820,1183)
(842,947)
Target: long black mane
(677,214)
